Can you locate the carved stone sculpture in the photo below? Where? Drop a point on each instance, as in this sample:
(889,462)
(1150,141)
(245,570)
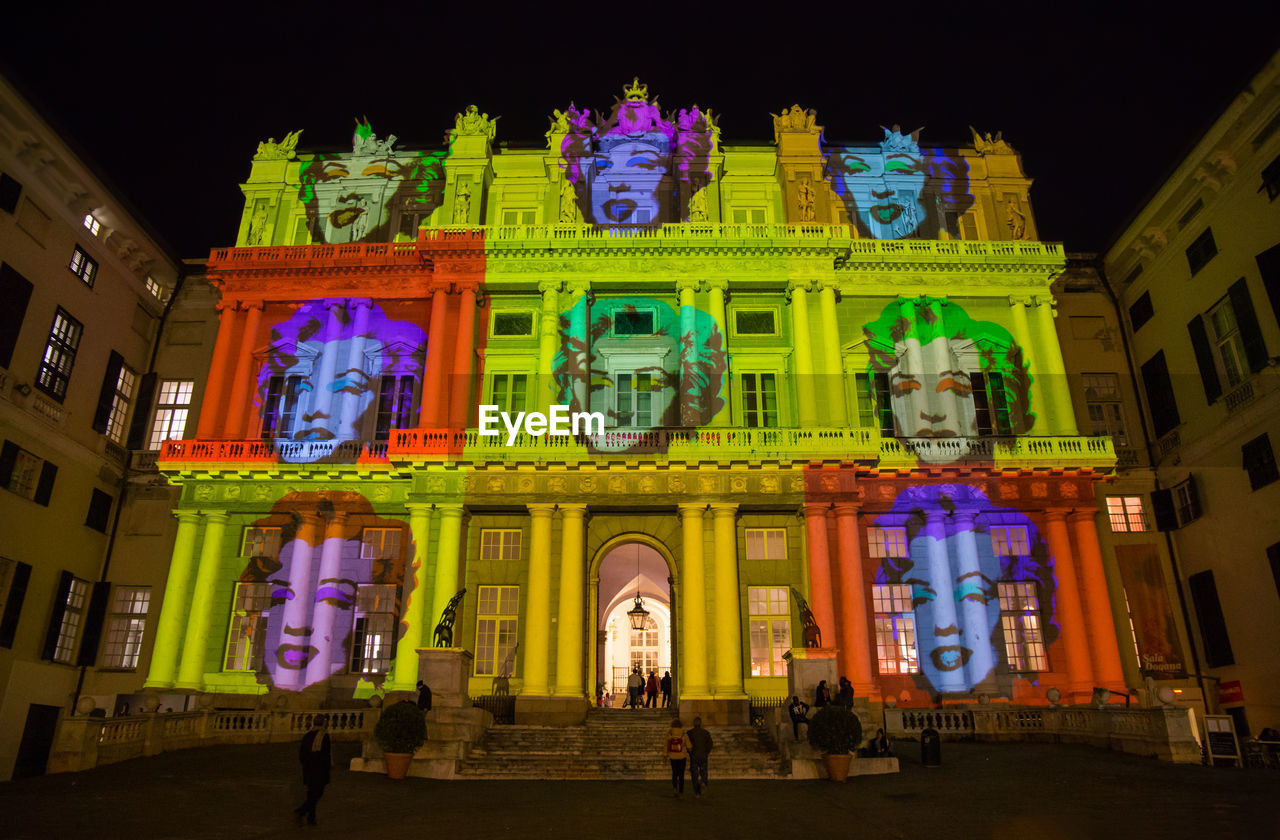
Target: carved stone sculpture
(1016,219)
(806,199)
(988,145)
(462,204)
(795,119)
(698,201)
(812,633)
(286,149)
(568,202)
(473,123)
(444,629)
(258,226)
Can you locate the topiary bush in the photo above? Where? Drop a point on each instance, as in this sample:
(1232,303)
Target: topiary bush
(402,728)
(835,730)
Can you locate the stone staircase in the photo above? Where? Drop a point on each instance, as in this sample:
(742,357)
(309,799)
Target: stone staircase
(615,744)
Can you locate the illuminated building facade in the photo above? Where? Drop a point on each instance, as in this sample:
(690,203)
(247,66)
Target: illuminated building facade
(828,377)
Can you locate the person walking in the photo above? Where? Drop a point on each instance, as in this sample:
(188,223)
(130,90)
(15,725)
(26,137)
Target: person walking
(799,711)
(635,687)
(699,752)
(676,749)
(665,685)
(651,691)
(316,756)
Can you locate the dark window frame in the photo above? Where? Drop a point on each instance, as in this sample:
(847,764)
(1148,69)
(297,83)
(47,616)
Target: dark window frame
(1259,460)
(1201,251)
(83,266)
(51,378)
(1141,311)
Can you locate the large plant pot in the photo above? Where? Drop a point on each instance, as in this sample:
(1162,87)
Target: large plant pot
(838,766)
(398,764)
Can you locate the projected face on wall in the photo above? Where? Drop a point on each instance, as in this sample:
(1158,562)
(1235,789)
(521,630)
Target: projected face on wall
(884,188)
(314,588)
(954,549)
(338,370)
(948,377)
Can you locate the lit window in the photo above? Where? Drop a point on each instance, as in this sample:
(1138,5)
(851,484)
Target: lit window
(635,400)
(72,618)
(83,266)
(26,473)
(122,396)
(261,542)
(496,616)
(380,544)
(1229,343)
(887,542)
(59,355)
(1010,541)
(156,290)
(770,629)
(1020,620)
(1126,514)
(126,626)
(500,544)
(247,638)
(395,405)
(1106,415)
(896,651)
(373,633)
(507,392)
(171,411)
(759,401)
(644,647)
(92,224)
(766,544)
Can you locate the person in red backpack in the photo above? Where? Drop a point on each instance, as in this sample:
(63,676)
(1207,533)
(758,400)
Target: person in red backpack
(676,749)
(651,691)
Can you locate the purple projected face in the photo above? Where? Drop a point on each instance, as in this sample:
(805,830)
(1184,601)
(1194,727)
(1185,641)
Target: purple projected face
(627,177)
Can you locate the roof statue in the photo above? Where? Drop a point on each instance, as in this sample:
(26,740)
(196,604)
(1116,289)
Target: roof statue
(286,149)
(636,92)
(795,119)
(365,143)
(895,141)
(473,123)
(988,145)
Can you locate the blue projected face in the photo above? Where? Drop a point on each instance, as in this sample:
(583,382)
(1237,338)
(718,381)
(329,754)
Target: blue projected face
(625,186)
(882,191)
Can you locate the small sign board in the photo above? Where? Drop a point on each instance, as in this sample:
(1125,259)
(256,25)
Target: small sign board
(1230,692)
(1223,746)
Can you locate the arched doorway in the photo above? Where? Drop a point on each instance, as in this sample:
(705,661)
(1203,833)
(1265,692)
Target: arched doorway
(629,568)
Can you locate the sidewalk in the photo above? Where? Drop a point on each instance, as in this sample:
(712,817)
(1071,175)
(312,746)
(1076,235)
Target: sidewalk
(981,791)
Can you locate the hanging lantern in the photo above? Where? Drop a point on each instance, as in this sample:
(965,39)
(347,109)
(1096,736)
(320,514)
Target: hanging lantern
(638,615)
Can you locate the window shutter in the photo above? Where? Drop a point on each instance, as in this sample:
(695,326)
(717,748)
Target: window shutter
(93,624)
(142,412)
(1162,505)
(8,457)
(10,189)
(13,604)
(1254,347)
(1193,497)
(1204,359)
(102,416)
(1155,381)
(15,294)
(1269,268)
(55,620)
(48,472)
(1213,627)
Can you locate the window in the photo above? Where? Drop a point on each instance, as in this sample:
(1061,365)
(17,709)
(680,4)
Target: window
(15,294)
(766,543)
(759,401)
(635,400)
(373,640)
(1141,311)
(749,216)
(280,408)
(1010,541)
(92,224)
(1213,626)
(1260,461)
(1133,275)
(895,628)
(126,625)
(261,542)
(496,611)
(1201,251)
(59,355)
(247,638)
(10,189)
(887,542)
(1020,620)
(1160,399)
(991,404)
(644,647)
(1176,506)
(83,266)
(500,544)
(380,544)
(754,322)
(633,322)
(513,323)
(1102,399)
(508,392)
(171,411)
(156,290)
(68,617)
(27,475)
(1228,345)
(519,217)
(875,408)
(1126,514)
(99,511)
(960,225)
(1271,179)
(769,608)
(395,405)
(114,399)
(1192,212)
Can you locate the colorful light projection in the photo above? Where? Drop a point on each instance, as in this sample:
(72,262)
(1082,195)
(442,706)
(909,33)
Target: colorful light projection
(897,190)
(353,198)
(314,589)
(948,560)
(636,167)
(338,371)
(948,377)
(642,364)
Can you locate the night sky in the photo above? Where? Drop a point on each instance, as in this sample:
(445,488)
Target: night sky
(1101,103)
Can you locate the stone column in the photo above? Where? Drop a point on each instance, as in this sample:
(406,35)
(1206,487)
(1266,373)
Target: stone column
(693,634)
(325,615)
(856,653)
(835,390)
(1062,419)
(1070,615)
(1105,653)
(210,418)
(416,600)
(191,670)
(1039,393)
(944,605)
(173,612)
(358,311)
(805,387)
(689,343)
(446,580)
(820,597)
(537,629)
(723,417)
(569,634)
(434,398)
(578,346)
(464,355)
(236,421)
(548,344)
(974,617)
(728,608)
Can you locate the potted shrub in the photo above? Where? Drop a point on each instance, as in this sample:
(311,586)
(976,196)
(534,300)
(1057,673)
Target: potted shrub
(400,730)
(836,732)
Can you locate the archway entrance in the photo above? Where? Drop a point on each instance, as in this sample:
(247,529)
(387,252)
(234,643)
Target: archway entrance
(631,569)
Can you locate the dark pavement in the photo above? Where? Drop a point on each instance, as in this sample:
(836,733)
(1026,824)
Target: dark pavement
(981,791)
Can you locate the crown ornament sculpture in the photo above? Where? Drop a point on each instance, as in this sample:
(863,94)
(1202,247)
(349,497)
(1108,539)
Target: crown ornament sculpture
(895,141)
(636,92)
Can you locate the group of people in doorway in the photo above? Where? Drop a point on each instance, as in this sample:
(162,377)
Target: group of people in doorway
(642,692)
